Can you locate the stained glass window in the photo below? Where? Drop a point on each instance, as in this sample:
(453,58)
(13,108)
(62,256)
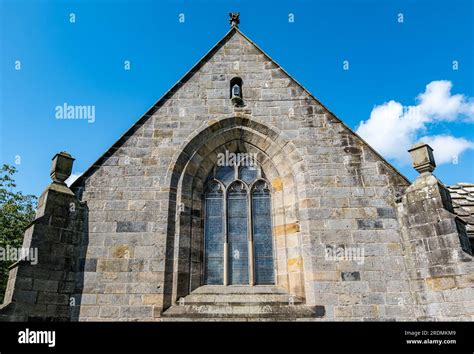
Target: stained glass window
(214,235)
(237,210)
(262,234)
(225,174)
(238,236)
(248,173)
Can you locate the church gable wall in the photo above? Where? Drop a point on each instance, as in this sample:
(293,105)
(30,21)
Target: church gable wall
(344,197)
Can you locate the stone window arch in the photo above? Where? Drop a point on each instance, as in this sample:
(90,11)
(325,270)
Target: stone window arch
(189,174)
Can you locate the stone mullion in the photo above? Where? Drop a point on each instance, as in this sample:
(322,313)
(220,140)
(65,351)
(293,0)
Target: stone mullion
(226,242)
(250,239)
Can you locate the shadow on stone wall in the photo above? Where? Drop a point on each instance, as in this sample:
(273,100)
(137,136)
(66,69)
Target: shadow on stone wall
(82,264)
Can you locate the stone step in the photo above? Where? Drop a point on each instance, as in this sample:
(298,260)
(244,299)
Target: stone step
(197,298)
(242,303)
(238,319)
(247,311)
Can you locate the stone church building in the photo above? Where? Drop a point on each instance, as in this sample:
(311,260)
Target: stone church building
(239,196)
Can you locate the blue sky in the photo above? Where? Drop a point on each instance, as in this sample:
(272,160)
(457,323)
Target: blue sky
(82,63)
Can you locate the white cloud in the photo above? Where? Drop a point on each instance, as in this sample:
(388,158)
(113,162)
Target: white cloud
(438,103)
(447,147)
(72,178)
(392,128)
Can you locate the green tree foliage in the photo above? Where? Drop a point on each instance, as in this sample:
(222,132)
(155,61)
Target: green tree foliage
(16,212)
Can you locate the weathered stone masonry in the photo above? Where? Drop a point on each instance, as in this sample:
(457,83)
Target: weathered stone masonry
(45,291)
(140,217)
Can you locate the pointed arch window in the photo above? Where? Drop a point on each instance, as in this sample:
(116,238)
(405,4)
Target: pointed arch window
(262,233)
(214,233)
(237,233)
(238,242)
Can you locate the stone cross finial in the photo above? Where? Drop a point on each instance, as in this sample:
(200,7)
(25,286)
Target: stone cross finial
(234,19)
(422,157)
(61,167)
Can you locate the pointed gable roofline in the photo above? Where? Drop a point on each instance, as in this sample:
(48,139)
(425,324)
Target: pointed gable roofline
(168,94)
